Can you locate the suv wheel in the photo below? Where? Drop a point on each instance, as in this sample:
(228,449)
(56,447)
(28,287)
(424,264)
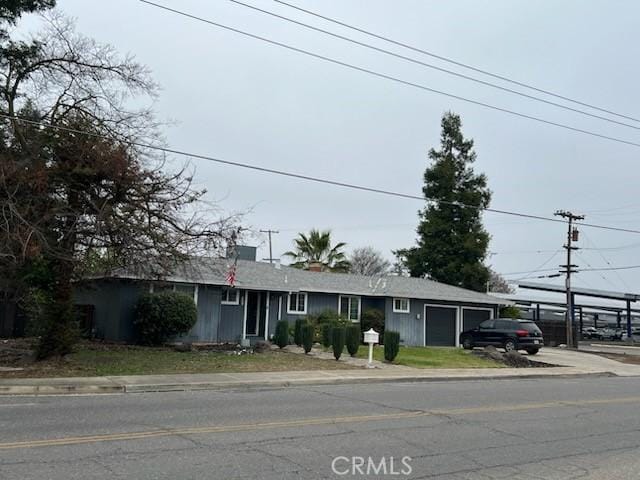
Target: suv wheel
(467,343)
(509,345)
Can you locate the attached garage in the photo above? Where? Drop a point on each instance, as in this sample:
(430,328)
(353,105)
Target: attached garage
(440,325)
(472,317)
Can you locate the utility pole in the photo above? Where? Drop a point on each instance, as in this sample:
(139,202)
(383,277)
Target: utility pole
(270,247)
(572,235)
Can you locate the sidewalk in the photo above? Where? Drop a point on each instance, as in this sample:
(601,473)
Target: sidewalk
(572,364)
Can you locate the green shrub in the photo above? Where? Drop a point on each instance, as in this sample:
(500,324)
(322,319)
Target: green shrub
(337,341)
(297,333)
(391,345)
(353,337)
(326,335)
(282,333)
(373,318)
(510,311)
(160,316)
(308,333)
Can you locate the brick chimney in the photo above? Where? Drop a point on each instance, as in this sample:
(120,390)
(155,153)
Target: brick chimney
(315,267)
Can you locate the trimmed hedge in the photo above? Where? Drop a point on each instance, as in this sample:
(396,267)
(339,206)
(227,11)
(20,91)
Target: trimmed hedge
(160,316)
(373,318)
(297,332)
(308,332)
(391,345)
(281,336)
(337,341)
(353,337)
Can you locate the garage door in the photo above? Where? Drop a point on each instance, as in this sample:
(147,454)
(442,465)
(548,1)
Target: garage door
(472,317)
(440,325)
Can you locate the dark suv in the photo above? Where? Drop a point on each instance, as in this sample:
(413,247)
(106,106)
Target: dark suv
(504,332)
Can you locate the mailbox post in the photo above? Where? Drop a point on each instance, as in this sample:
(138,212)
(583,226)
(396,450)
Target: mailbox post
(371,337)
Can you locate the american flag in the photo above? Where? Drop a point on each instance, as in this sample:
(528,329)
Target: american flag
(231,275)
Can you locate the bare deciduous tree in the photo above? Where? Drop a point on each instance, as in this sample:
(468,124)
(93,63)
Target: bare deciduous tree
(81,196)
(368,261)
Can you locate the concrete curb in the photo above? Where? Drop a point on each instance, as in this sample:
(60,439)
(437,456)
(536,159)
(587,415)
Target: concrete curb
(60,389)
(248,385)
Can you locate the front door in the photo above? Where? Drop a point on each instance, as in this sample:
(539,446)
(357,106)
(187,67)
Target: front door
(257,310)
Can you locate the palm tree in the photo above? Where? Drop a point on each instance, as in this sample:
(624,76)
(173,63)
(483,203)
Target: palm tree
(316,248)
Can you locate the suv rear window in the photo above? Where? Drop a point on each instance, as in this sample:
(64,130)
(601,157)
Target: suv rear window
(506,325)
(529,327)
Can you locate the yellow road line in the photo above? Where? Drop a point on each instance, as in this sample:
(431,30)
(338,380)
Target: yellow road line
(112,437)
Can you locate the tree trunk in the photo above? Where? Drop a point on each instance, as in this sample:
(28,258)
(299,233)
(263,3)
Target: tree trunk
(61,331)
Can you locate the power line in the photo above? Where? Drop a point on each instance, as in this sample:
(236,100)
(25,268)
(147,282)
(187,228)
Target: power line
(434,67)
(300,176)
(392,78)
(454,62)
(609,269)
(538,268)
(624,283)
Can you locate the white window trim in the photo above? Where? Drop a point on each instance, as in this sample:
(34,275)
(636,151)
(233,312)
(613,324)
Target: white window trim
(297,312)
(340,297)
(408,310)
(236,302)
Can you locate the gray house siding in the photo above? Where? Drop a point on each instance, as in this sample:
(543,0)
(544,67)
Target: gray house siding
(231,319)
(114,303)
(206,327)
(316,303)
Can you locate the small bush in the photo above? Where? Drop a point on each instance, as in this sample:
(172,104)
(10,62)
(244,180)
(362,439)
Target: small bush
(337,341)
(326,335)
(373,318)
(160,316)
(308,333)
(297,333)
(391,345)
(282,334)
(353,337)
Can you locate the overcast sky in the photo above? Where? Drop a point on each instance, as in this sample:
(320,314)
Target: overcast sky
(244,100)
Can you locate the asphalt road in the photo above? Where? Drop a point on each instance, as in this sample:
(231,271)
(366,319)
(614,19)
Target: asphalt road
(551,429)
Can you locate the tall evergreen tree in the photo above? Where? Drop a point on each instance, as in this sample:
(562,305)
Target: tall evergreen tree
(452,242)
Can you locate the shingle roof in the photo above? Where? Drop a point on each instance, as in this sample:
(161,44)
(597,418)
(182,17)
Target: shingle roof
(264,276)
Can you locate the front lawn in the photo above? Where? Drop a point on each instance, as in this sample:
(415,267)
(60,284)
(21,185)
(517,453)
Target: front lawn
(432,357)
(104,360)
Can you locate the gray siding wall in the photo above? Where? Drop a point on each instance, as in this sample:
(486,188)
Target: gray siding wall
(206,327)
(114,302)
(316,303)
(231,319)
(410,325)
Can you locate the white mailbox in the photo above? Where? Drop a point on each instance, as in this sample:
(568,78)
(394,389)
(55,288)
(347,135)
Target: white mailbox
(371,336)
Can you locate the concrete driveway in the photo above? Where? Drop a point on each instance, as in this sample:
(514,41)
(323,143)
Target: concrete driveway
(585,361)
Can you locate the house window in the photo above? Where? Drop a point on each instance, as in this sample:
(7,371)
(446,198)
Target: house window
(185,288)
(230,296)
(297,303)
(401,305)
(349,307)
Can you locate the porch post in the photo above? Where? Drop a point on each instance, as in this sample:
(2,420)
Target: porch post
(244,320)
(266,320)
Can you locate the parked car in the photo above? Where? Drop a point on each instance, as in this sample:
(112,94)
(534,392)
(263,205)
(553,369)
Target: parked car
(589,332)
(607,334)
(507,333)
